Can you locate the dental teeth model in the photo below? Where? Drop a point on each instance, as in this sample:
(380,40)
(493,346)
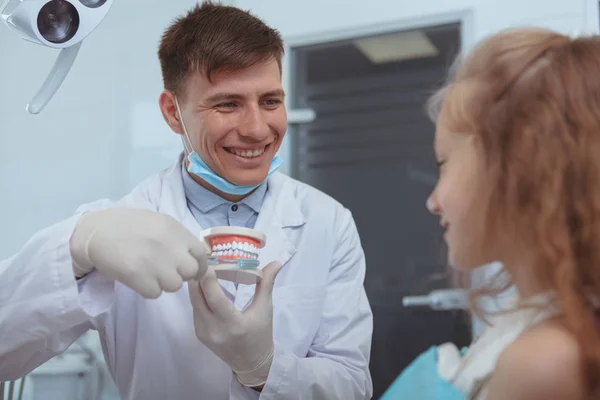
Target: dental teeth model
(234,253)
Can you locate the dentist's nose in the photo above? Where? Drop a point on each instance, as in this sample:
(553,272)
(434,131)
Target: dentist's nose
(253,124)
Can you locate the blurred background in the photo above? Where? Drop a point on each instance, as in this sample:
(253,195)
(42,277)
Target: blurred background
(357,75)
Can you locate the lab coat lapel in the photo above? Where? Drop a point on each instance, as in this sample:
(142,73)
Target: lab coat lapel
(174,203)
(280,212)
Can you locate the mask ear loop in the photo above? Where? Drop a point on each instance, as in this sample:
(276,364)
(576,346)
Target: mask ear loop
(187,143)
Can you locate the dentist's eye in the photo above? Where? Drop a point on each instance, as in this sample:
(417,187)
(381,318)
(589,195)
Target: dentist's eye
(229,106)
(272,102)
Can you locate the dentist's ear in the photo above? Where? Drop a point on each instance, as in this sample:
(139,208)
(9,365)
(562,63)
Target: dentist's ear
(168,107)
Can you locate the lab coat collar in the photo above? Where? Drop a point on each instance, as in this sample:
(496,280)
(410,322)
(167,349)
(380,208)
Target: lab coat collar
(280,212)
(205,200)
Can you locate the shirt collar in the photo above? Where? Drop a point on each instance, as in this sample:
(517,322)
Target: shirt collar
(205,200)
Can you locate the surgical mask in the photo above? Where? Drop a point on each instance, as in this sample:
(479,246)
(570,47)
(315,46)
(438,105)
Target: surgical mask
(198,167)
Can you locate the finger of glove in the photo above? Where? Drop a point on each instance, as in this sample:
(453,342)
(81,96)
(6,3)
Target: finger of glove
(215,297)
(187,267)
(198,250)
(264,288)
(201,309)
(147,286)
(170,280)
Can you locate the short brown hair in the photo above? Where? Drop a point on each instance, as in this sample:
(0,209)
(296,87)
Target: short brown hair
(211,38)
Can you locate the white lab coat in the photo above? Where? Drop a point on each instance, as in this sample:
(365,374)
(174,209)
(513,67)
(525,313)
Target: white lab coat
(322,319)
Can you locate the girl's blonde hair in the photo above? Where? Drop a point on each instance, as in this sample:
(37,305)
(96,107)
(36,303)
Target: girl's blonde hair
(532,98)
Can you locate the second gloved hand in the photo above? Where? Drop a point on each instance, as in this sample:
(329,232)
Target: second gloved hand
(145,250)
(244,340)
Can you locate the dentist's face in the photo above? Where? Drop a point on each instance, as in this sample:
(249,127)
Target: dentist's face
(456,198)
(236,121)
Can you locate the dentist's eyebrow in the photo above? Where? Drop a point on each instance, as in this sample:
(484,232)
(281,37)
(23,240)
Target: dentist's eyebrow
(274,93)
(221,97)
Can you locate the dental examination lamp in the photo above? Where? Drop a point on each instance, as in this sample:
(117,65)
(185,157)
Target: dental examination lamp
(60,24)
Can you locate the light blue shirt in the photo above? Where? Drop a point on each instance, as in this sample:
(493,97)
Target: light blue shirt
(211,210)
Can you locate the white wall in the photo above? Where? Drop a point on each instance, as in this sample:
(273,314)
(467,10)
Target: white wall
(102,131)
(313,21)
(100,134)
(316,17)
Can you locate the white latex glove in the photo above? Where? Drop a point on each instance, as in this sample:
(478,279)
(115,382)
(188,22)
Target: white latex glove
(244,340)
(145,250)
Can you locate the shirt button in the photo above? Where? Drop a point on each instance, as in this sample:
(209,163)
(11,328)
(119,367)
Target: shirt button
(234,207)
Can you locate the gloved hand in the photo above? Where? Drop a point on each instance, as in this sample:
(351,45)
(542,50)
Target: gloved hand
(244,340)
(145,250)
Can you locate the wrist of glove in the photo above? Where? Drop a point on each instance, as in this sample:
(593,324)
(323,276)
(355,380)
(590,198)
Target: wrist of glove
(79,245)
(258,375)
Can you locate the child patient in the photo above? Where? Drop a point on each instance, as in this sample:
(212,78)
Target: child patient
(518,146)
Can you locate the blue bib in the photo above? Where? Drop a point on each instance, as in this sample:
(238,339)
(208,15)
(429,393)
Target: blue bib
(420,381)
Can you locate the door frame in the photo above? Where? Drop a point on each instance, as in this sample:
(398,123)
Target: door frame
(464,17)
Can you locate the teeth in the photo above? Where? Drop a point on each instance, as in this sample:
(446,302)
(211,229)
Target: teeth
(236,249)
(249,153)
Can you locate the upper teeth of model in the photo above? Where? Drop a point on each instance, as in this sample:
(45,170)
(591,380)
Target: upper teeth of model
(239,249)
